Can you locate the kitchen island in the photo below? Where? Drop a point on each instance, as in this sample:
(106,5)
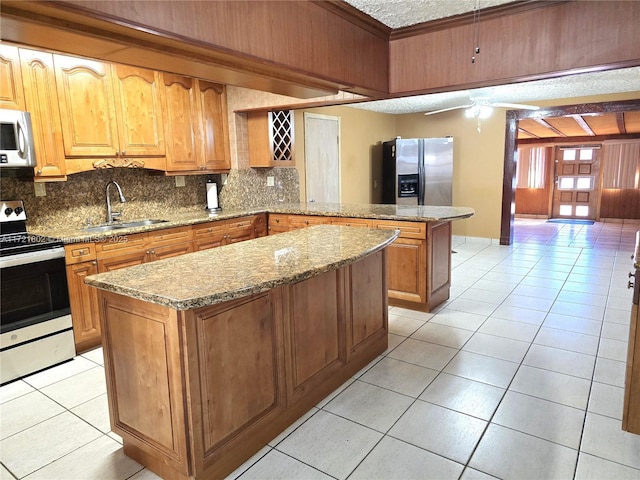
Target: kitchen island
(210,355)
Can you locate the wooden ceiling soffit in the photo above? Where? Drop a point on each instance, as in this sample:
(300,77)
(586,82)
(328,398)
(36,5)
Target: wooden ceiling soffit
(468,17)
(56,28)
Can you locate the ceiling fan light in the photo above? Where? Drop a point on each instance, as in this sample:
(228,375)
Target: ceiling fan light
(472,112)
(485,111)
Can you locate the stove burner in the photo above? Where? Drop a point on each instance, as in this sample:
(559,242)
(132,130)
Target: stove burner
(14,238)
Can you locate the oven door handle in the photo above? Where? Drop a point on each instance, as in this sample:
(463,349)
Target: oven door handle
(31,257)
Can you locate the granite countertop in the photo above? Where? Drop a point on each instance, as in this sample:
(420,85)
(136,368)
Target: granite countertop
(244,268)
(411,213)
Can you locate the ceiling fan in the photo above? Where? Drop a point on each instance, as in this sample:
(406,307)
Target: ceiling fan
(481,107)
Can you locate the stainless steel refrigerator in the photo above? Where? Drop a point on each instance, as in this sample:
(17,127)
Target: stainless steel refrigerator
(417,171)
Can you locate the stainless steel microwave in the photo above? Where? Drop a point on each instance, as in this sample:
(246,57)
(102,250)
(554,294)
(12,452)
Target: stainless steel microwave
(16,139)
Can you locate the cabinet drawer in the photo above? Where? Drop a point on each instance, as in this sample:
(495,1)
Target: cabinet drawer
(302,221)
(276,219)
(407,229)
(240,225)
(351,222)
(79,252)
(119,244)
(210,232)
(170,236)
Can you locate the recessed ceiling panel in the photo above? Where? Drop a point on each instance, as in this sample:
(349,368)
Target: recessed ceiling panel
(604,124)
(536,128)
(567,125)
(632,122)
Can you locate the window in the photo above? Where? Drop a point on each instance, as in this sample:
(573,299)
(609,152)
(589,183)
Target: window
(531,167)
(621,165)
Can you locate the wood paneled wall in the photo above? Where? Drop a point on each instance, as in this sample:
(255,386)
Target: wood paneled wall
(567,36)
(276,37)
(620,203)
(532,201)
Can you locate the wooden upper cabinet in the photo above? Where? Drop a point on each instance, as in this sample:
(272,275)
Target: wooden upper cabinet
(138,111)
(11,91)
(41,98)
(182,116)
(213,105)
(87,107)
(271,139)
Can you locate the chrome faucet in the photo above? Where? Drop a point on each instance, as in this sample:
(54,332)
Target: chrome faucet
(111,215)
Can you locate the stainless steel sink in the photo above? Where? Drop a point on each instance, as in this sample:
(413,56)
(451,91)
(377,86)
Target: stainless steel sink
(121,225)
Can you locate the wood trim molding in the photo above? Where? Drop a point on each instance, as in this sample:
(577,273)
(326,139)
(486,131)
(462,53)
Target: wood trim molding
(467,18)
(355,16)
(583,139)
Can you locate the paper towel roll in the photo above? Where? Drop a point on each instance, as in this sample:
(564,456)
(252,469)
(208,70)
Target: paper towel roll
(212,195)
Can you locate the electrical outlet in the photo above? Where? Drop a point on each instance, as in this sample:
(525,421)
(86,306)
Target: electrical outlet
(40,189)
(179,180)
(271,181)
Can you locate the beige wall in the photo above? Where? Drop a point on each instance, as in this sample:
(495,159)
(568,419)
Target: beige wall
(361,134)
(478,157)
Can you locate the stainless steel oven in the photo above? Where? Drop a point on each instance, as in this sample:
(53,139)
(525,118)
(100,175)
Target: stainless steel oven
(35,320)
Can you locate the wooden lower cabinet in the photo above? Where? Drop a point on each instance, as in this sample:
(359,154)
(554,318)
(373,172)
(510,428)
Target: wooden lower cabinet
(419,260)
(90,258)
(83,300)
(406,280)
(224,232)
(215,384)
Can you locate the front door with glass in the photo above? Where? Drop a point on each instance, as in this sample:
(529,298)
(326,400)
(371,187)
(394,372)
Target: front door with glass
(576,187)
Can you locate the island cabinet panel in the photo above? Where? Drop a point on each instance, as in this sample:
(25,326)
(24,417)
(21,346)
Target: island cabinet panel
(439,257)
(143,368)
(239,367)
(316,334)
(195,393)
(367,281)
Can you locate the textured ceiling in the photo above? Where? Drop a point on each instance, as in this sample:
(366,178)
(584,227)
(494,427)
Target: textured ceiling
(571,86)
(402,13)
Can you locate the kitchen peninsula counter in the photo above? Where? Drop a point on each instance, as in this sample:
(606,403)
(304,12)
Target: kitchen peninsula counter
(210,355)
(75,233)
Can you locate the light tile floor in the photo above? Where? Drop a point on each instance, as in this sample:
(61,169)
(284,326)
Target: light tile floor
(519,375)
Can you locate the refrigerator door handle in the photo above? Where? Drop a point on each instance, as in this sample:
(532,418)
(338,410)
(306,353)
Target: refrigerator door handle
(421,172)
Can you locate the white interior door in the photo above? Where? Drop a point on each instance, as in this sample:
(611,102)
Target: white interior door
(322,158)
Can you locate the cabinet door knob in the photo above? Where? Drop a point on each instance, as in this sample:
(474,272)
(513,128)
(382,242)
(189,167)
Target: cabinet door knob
(94,263)
(117,152)
(124,152)
(630,284)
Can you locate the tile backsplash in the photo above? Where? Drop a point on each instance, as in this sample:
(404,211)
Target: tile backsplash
(82,197)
